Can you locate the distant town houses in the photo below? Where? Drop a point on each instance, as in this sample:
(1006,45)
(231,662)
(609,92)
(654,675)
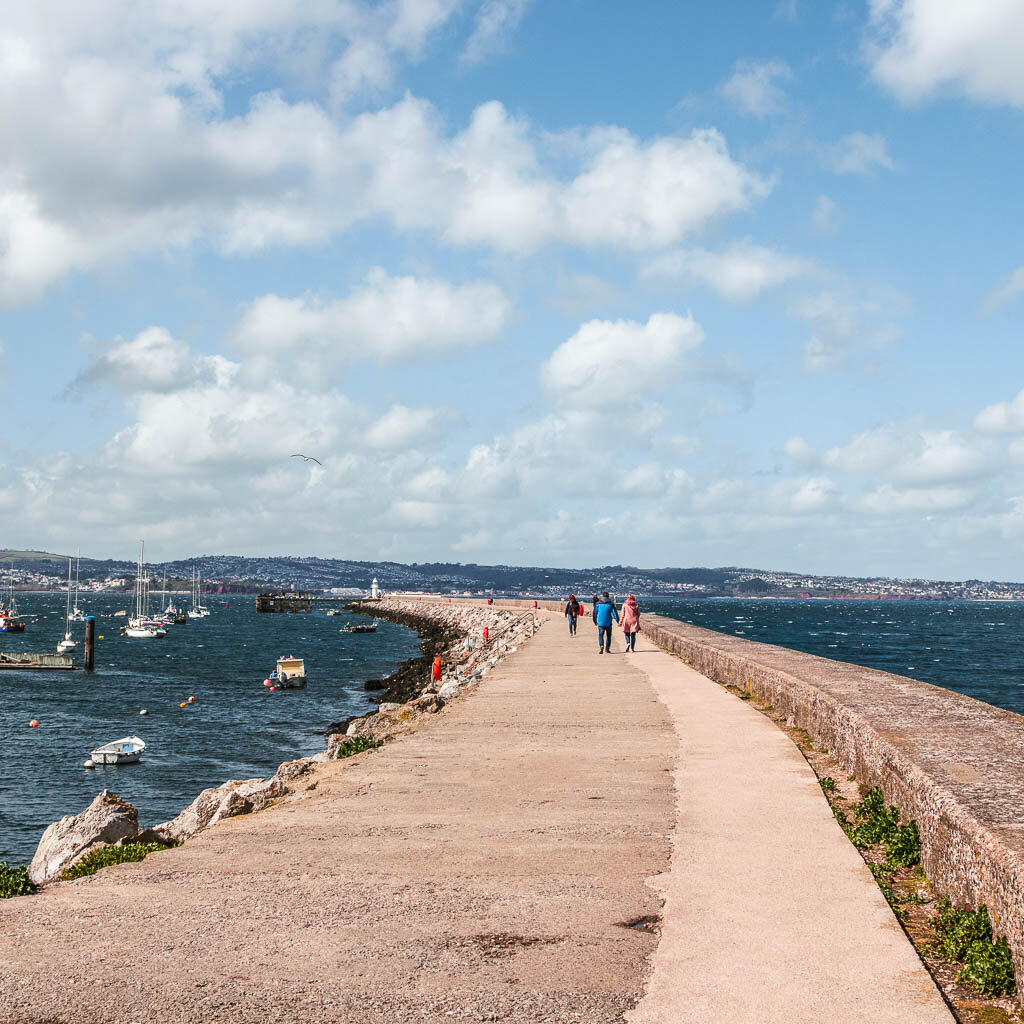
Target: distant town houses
(341,577)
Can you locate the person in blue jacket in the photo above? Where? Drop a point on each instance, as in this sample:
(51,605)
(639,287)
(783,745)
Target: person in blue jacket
(604,612)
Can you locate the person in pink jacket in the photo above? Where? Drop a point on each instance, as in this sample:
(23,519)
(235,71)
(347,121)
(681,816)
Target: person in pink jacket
(630,622)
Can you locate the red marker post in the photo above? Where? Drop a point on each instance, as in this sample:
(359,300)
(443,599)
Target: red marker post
(437,670)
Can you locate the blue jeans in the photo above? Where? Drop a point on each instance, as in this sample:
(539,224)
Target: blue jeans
(572,624)
(604,637)
(631,641)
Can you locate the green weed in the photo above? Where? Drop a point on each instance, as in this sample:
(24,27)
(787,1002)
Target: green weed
(965,936)
(14,881)
(107,855)
(828,784)
(356,745)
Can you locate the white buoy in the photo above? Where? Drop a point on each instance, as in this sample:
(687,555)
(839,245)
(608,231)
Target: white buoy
(143,712)
(88,764)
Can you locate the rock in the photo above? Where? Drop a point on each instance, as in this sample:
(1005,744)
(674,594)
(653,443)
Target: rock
(355,727)
(226,801)
(289,771)
(449,690)
(429,703)
(388,706)
(106,820)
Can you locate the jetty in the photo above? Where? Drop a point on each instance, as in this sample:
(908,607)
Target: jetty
(25,660)
(575,838)
(297,601)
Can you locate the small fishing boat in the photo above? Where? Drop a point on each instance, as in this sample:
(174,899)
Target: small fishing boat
(123,751)
(290,674)
(362,627)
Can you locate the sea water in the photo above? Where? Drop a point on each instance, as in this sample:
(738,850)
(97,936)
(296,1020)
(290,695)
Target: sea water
(235,729)
(974,648)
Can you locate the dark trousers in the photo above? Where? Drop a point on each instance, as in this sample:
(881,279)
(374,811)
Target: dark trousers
(604,637)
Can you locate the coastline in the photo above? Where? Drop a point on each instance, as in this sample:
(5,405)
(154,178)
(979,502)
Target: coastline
(402,699)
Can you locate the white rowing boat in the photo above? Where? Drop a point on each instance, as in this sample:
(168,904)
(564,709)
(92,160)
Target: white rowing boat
(124,751)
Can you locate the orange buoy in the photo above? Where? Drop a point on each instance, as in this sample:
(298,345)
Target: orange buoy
(181,705)
(34,724)
(266,682)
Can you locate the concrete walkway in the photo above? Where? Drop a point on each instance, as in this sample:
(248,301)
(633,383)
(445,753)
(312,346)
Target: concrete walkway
(771,915)
(484,867)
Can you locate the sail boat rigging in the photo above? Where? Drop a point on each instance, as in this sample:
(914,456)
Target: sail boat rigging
(67,645)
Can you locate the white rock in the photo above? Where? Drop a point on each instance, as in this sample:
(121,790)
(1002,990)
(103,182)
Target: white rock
(106,820)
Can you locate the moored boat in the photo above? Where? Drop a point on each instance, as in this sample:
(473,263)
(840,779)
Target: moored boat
(291,673)
(123,751)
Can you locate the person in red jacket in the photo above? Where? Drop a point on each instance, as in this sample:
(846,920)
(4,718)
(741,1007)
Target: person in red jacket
(630,622)
(572,613)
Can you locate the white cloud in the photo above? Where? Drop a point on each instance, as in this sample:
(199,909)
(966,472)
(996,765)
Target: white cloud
(888,500)
(800,452)
(739,273)
(754,87)
(495,21)
(826,217)
(1010,287)
(815,494)
(402,427)
(387,319)
(613,362)
(641,196)
(913,457)
(125,162)
(842,327)
(922,46)
(1002,417)
(153,361)
(857,153)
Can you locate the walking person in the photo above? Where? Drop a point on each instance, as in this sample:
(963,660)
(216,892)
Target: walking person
(604,612)
(572,613)
(630,622)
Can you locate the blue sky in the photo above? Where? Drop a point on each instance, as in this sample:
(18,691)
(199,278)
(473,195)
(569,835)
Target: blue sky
(539,283)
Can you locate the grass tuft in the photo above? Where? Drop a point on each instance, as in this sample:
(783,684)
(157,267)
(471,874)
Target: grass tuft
(356,745)
(14,881)
(108,855)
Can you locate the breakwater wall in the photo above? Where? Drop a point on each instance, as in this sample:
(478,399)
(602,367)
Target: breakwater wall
(953,764)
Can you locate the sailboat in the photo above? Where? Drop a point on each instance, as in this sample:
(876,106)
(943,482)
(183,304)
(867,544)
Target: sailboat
(172,613)
(198,609)
(67,645)
(77,615)
(10,621)
(141,625)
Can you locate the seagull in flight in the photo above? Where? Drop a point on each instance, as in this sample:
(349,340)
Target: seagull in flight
(308,458)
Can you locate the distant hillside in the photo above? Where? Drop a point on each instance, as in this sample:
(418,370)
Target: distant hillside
(43,570)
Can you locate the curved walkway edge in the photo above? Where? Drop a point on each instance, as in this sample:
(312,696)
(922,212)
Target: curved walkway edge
(770,913)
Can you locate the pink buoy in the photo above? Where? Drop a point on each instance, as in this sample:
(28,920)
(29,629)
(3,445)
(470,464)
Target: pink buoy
(34,724)
(273,689)
(266,682)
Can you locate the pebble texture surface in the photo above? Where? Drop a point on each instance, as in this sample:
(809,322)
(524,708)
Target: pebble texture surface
(478,868)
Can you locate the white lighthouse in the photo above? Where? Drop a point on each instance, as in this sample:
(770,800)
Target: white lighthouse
(374,589)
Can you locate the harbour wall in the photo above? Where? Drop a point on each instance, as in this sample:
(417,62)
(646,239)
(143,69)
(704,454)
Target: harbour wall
(953,764)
